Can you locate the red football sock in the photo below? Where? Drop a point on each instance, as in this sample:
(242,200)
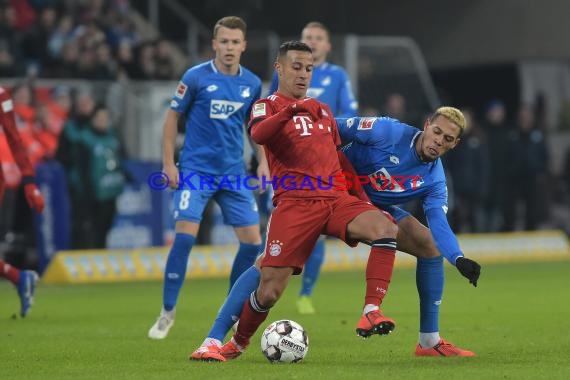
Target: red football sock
(9,272)
(379,270)
(252,316)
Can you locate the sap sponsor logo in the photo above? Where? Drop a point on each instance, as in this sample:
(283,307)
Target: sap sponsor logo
(259,109)
(222,109)
(366,123)
(315,92)
(211,88)
(244,91)
(180,90)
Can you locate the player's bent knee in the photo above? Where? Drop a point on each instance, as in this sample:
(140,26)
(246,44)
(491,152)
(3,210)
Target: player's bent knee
(384,229)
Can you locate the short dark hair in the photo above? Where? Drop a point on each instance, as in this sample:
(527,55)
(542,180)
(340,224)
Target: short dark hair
(231,22)
(293,45)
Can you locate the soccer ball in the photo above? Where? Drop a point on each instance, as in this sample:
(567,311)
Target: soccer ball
(284,341)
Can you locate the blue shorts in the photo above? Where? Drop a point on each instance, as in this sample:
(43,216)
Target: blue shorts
(237,202)
(396,212)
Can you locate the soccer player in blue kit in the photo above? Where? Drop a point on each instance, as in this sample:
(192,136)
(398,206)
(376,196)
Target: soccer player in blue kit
(399,163)
(403,163)
(330,84)
(216,98)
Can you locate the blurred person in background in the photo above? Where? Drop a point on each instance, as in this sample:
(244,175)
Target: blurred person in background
(469,167)
(101,174)
(330,84)
(68,155)
(163,60)
(215,98)
(24,280)
(529,171)
(497,130)
(395,106)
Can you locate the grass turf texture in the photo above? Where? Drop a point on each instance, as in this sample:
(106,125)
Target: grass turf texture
(517,321)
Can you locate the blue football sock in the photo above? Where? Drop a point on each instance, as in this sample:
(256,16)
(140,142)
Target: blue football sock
(429,280)
(231,309)
(244,259)
(175,270)
(313,268)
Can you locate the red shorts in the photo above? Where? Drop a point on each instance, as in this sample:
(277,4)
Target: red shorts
(295,226)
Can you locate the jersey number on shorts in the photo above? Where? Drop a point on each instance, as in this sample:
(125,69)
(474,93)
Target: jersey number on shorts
(184,199)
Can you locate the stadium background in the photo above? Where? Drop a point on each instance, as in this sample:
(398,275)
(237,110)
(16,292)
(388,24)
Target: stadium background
(472,55)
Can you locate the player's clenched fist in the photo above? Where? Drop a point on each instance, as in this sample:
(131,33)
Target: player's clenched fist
(308,105)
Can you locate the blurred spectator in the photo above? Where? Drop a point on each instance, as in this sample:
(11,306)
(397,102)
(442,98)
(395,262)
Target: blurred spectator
(9,42)
(127,65)
(106,67)
(146,62)
(67,65)
(469,167)
(35,41)
(68,155)
(62,35)
(529,171)
(395,106)
(101,175)
(164,68)
(497,132)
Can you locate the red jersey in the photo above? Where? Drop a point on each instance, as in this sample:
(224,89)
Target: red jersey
(302,155)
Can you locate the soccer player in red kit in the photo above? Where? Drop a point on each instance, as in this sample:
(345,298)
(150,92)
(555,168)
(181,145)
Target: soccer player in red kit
(25,280)
(300,138)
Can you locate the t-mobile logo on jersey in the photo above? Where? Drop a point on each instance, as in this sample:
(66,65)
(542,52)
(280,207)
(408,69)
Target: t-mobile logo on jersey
(304,123)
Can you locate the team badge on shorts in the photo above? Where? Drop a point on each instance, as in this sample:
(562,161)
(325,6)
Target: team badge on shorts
(275,248)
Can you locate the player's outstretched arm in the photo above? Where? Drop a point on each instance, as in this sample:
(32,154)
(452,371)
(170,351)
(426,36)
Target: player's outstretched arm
(447,244)
(168,146)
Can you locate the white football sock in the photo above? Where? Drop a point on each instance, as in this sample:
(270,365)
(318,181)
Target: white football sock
(368,308)
(428,340)
(210,341)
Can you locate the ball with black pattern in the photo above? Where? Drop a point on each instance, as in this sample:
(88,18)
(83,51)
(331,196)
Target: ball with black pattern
(284,341)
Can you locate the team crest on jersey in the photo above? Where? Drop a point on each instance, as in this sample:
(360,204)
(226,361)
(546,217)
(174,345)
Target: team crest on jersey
(180,90)
(258,110)
(326,81)
(366,123)
(244,91)
(275,248)
(211,88)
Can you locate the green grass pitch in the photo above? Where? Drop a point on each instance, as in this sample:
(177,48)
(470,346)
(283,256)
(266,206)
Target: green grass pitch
(517,321)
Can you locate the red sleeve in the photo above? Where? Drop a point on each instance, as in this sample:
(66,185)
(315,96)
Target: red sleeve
(336,136)
(356,189)
(264,124)
(14,140)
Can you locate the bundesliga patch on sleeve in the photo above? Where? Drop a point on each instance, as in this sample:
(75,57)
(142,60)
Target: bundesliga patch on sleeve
(258,110)
(366,122)
(181,90)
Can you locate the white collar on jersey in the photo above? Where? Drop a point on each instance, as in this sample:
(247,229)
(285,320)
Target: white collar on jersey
(418,133)
(240,71)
